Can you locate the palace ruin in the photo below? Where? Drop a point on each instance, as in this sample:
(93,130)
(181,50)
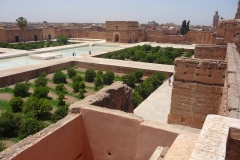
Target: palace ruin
(205,95)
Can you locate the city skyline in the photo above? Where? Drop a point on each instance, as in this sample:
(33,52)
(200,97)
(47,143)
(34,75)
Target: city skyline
(161,11)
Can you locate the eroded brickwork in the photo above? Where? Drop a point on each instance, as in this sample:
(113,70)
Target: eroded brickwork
(196,37)
(122,31)
(197,91)
(228,32)
(116,96)
(210,52)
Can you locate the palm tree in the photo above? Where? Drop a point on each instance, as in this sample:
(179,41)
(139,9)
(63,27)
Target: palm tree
(22,23)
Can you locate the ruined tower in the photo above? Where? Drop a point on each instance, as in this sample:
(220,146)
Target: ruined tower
(215,20)
(237,16)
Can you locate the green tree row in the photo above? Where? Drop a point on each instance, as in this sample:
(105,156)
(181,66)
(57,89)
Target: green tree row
(147,53)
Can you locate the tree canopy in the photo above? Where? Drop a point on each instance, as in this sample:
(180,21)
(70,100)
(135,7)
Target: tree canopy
(22,23)
(185,27)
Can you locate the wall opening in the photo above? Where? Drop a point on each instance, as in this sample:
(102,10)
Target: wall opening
(16,39)
(35,38)
(233,144)
(116,38)
(49,36)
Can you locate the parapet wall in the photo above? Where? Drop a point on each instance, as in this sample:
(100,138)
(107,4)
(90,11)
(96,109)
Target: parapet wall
(230,106)
(54,142)
(196,37)
(197,91)
(202,71)
(210,52)
(11,76)
(192,37)
(91,132)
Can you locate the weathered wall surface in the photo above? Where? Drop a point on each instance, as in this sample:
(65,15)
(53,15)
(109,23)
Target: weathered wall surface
(54,142)
(47,32)
(111,135)
(3,35)
(195,37)
(116,96)
(210,52)
(232,88)
(165,39)
(127,31)
(92,132)
(150,137)
(28,35)
(11,76)
(202,71)
(228,32)
(233,144)
(192,37)
(66,32)
(197,91)
(96,35)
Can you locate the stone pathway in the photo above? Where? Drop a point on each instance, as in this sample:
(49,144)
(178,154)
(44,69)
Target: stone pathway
(122,63)
(157,106)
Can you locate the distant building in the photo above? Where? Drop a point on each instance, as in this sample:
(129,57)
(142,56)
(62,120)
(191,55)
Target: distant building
(237,16)
(215,20)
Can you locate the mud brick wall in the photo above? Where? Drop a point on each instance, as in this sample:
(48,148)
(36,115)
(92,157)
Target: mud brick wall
(197,91)
(196,37)
(232,85)
(210,52)
(116,96)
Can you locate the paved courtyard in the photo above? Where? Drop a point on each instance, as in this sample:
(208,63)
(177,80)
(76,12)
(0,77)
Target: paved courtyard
(157,106)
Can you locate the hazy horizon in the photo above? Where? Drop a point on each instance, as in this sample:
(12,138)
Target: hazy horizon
(99,11)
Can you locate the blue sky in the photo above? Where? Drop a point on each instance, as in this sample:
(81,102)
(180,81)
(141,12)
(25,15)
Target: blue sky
(99,11)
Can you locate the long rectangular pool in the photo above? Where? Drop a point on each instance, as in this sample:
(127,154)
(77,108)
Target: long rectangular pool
(25,60)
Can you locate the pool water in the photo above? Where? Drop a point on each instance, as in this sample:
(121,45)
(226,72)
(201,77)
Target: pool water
(79,50)
(25,60)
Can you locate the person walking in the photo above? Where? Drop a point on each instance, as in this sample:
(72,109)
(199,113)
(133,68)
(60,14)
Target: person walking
(169,81)
(89,52)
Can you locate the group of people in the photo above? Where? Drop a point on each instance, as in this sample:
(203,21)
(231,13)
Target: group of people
(74,54)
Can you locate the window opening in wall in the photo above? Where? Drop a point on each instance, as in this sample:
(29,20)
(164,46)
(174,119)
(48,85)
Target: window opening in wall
(49,36)
(116,27)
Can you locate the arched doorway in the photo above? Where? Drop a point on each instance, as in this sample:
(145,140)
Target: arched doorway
(133,38)
(116,38)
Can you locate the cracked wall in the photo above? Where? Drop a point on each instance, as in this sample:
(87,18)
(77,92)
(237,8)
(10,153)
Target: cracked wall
(210,52)
(197,91)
